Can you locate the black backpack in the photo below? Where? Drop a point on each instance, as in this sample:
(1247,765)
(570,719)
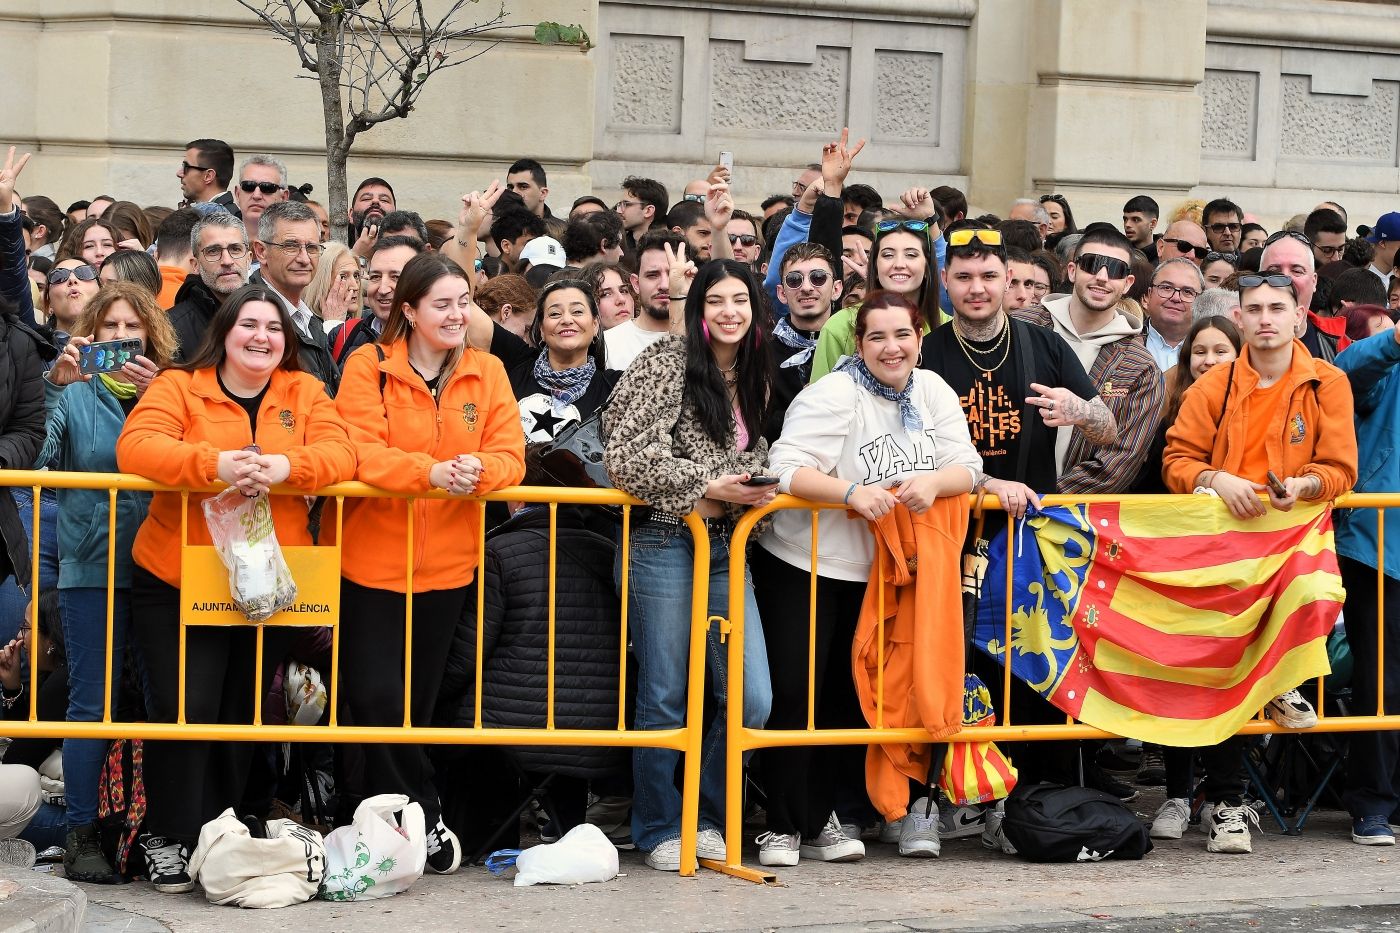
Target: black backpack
(1051,823)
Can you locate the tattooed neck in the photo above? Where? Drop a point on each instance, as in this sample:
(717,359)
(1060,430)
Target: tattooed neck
(981,331)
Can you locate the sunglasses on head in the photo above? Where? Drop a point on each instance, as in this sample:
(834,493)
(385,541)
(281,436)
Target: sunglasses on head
(913,226)
(1232,258)
(744,239)
(818,278)
(1093,263)
(1057,198)
(968,234)
(1290,234)
(1186,246)
(1273,279)
(266,187)
(82,273)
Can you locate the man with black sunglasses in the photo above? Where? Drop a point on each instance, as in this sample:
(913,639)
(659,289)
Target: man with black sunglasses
(205,173)
(1107,338)
(1223,220)
(1183,238)
(262,181)
(810,288)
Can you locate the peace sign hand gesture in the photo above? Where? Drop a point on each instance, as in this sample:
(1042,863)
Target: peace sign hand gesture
(836,162)
(475,207)
(682,275)
(9,174)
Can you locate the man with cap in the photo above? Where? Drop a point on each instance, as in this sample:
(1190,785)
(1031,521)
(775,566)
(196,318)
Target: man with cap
(1386,236)
(539,259)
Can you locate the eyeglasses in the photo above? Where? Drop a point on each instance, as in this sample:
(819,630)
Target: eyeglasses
(81,273)
(1222,228)
(1039,289)
(623,205)
(968,234)
(1093,263)
(1290,234)
(1277,281)
(1186,246)
(797,189)
(186,167)
(1232,258)
(234,250)
(913,226)
(266,187)
(1332,252)
(1167,291)
(291,247)
(818,278)
(742,239)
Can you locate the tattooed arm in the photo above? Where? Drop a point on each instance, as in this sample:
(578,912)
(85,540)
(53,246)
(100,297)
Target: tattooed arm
(1060,408)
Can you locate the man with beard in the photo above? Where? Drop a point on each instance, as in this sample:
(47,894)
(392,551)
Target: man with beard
(810,288)
(1108,341)
(287,249)
(660,313)
(221,257)
(372,201)
(386,262)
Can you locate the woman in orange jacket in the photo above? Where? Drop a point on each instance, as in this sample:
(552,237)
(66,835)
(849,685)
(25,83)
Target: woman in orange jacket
(425,412)
(241,412)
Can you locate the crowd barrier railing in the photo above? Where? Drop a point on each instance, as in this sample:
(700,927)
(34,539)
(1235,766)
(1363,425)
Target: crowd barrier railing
(743,740)
(317,571)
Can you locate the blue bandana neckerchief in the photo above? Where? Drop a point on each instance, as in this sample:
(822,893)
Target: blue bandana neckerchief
(790,337)
(565,386)
(855,367)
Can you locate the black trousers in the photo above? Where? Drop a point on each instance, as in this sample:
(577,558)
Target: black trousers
(804,785)
(1374,764)
(1223,778)
(371,680)
(190,783)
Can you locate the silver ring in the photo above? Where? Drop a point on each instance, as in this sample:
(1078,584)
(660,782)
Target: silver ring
(1052,404)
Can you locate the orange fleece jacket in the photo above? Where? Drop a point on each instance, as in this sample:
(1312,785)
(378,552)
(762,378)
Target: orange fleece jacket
(184,421)
(1313,436)
(398,436)
(171,278)
(924,642)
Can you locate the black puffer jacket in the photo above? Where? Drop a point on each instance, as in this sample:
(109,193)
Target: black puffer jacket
(515,572)
(195,304)
(21,430)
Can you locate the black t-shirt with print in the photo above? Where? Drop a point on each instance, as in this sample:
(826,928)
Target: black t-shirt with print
(1001,421)
(537,415)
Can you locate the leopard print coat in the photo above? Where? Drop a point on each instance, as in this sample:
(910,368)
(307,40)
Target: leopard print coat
(656,448)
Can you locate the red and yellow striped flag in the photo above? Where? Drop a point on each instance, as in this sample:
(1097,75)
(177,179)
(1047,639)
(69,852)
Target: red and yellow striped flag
(1168,621)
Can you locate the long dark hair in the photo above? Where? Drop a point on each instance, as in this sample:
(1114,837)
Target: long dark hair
(928,291)
(704,384)
(211,351)
(596,347)
(1185,375)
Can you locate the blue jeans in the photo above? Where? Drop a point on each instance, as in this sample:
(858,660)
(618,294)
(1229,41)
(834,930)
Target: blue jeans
(49,827)
(659,620)
(85,631)
(14,594)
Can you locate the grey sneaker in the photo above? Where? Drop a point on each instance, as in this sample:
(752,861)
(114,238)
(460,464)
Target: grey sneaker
(666,856)
(960,822)
(781,850)
(889,832)
(993,833)
(918,832)
(17,852)
(833,845)
(1171,819)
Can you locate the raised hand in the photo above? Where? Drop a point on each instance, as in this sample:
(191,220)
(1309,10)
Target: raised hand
(9,174)
(836,161)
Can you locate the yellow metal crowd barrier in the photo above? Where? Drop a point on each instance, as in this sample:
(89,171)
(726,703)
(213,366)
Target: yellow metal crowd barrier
(742,740)
(324,560)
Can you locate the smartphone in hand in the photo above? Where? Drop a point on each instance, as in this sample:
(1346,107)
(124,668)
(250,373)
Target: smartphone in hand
(761,481)
(107,355)
(1276,485)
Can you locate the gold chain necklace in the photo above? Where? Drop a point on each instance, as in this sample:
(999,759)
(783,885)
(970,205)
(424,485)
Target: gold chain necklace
(968,349)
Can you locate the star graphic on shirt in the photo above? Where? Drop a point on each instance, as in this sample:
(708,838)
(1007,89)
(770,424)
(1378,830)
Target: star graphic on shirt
(538,419)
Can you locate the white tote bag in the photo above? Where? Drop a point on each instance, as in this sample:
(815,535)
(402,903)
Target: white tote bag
(381,853)
(236,868)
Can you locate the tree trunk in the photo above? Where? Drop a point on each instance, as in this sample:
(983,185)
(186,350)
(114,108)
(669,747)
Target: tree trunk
(329,46)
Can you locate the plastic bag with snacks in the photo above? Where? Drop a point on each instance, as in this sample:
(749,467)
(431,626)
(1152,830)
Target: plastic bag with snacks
(259,579)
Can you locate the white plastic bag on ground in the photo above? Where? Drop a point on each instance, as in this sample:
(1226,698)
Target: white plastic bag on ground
(381,853)
(236,868)
(259,580)
(584,854)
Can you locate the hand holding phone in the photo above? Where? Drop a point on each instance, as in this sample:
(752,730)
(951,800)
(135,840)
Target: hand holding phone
(761,481)
(1276,485)
(107,356)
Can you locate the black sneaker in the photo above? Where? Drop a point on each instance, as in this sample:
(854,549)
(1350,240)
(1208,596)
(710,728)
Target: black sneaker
(1153,772)
(167,864)
(444,851)
(1099,779)
(83,859)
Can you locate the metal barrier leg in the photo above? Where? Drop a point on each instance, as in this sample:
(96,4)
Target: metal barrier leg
(695,695)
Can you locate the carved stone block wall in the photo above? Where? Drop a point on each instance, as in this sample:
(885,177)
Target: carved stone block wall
(771,81)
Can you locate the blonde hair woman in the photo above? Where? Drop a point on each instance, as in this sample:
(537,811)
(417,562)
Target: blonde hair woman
(335,291)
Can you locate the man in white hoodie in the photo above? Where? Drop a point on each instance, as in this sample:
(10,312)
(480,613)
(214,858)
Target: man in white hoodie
(1107,338)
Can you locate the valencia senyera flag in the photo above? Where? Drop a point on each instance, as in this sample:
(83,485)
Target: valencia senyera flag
(1166,620)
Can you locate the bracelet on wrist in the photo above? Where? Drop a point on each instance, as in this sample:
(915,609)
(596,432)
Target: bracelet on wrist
(677,297)
(9,700)
(846,499)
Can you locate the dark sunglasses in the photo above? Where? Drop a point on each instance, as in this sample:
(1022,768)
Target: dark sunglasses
(1273,279)
(266,187)
(1057,198)
(1188,247)
(745,239)
(1290,234)
(818,278)
(1093,263)
(82,273)
(1232,258)
(1221,228)
(194,168)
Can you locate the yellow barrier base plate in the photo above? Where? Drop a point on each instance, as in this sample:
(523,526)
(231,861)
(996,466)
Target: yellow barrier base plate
(756,875)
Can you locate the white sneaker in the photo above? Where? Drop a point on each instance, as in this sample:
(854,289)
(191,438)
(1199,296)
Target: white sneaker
(1171,819)
(960,822)
(889,832)
(833,845)
(1229,830)
(710,844)
(780,850)
(1291,711)
(666,856)
(918,831)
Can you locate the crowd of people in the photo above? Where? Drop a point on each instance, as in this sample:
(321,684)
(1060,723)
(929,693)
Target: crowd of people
(889,351)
